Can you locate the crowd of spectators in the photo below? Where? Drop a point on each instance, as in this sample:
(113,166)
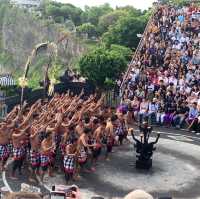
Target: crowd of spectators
(163,85)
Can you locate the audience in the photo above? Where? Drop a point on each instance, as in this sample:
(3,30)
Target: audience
(165,75)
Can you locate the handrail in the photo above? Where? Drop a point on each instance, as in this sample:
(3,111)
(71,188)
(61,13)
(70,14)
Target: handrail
(136,52)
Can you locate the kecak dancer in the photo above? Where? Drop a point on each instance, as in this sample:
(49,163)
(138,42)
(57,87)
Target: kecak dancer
(19,151)
(35,151)
(110,134)
(20,136)
(83,148)
(47,147)
(4,141)
(70,160)
(98,136)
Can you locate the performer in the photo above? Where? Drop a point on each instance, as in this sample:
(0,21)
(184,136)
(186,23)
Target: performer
(34,152)
(79,128)
(4,150)
(83,148)
(110,129)
(70,160)
(98,136)
(47,147)
(18,150)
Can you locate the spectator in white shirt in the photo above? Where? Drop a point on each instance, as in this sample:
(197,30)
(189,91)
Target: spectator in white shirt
(143,110)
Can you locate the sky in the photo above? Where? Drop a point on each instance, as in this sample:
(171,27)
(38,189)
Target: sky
(140,4)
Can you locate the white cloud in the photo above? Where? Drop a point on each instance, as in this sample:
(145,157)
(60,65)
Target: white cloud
(140,4)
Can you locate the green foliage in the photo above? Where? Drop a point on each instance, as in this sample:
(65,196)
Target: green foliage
(176,2)
(62,11)
(118,26)
(5,59)
(87,28)
(104,65)
(131,11)
(4,6)
(36,77)
(121,50)
(36,71)
(125,31)
(92,14)
(55,70)
(109,19)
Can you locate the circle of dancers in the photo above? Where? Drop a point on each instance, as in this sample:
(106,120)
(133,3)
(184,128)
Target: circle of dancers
(66,133)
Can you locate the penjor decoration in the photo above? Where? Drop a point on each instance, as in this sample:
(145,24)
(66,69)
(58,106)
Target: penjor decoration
(23,82)
(51,86)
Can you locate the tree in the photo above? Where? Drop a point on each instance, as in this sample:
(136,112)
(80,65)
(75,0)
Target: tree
(102,64)
(125,31)
(176,2)
(87,28)
(109,19)
(92,14)
(62,11)
(130,10)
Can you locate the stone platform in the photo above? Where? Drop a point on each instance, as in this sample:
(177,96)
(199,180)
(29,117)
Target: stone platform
(175,172)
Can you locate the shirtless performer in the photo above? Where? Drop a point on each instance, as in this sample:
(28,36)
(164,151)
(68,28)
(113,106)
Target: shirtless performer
(98,135)
(34,152)
(83,147)
(70,160)
(47,146)
(79,128)
(18,138)
(4,150)
(110,134)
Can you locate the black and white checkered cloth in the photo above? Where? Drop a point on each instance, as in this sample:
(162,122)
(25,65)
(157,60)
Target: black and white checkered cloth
(18,153)
(44,160)
(34,158)
(4,152)
(69,163)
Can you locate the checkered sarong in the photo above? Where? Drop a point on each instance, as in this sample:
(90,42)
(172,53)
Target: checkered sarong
(44,160)
(18,153)
(10,148)
(34,158)
(4,152)
(69,164)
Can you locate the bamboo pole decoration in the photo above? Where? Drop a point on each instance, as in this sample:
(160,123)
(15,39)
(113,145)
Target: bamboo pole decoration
(51,86)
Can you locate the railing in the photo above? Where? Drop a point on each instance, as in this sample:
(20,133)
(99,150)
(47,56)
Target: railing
(141,43)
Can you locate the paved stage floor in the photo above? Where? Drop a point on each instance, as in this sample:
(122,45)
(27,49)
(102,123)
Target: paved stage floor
(175,172)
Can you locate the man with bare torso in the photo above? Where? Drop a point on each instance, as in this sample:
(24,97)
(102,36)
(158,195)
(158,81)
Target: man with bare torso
(47,147)
(35,151)
(18,138)
(79,128)
(4,150)
(83,147)
(69,161)
(110,134)
(98,135)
